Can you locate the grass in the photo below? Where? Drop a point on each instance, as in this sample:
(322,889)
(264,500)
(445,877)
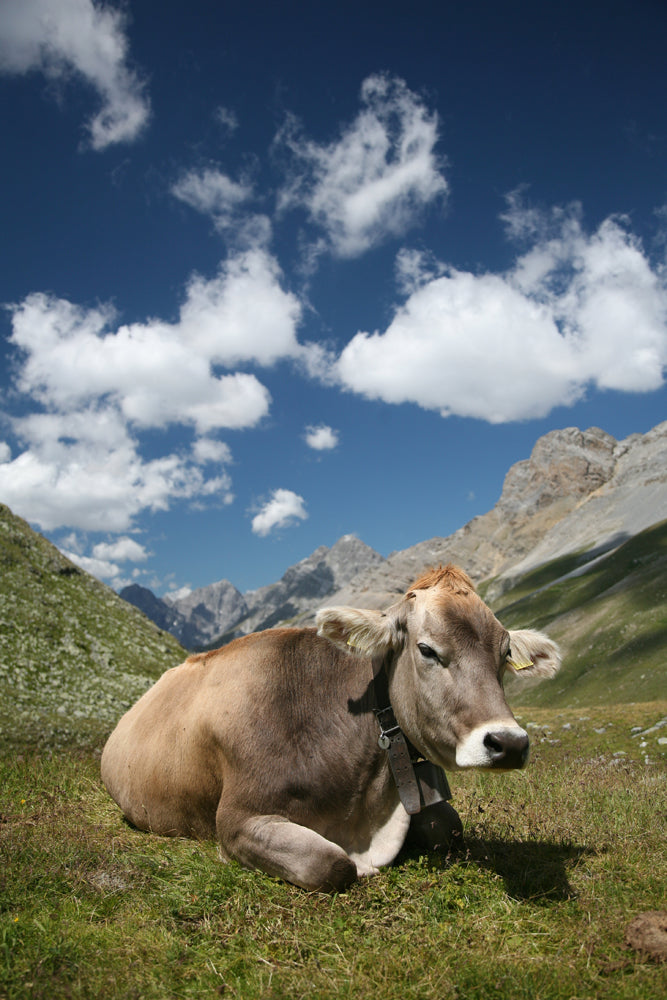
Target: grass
(558,859)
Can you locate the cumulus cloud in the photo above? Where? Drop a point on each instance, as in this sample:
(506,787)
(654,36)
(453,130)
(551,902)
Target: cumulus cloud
(576,310)
(57,37)
(281,510)
(159,373)
(94,386)
(376,178)
(210,450)
(123,549)
(105,558)
(85,470)
(321,437)
(101,568)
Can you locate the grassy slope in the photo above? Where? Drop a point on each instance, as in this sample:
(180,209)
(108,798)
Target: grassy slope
(611,623)
(73,655)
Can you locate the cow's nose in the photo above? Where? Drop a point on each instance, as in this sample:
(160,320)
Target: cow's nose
(507,749)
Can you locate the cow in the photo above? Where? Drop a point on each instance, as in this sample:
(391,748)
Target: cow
(280,746)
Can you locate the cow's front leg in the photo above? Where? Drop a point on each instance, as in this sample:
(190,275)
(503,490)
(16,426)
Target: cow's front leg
(290,851)
(436,828)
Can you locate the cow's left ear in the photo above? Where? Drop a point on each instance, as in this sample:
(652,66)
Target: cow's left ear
(356,630)
(533,654)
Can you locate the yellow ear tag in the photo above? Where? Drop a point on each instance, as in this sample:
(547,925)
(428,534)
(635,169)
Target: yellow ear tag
(519,665)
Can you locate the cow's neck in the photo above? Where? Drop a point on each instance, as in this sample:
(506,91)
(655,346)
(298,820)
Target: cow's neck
(419,783)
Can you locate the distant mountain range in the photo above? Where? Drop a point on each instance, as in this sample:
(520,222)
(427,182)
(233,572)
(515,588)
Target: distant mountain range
(208,614)
(579,492)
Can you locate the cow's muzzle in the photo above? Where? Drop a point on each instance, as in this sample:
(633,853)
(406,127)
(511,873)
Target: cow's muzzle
(507,749)
(500,746)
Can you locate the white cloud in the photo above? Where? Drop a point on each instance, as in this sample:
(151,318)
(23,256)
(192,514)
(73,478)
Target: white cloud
(58,36)
(123,549)
(177,595)
(281,510)
(376,178)
(224,200)
(321,437)
(100,568)
(94,385)
(209,450)
(575,310)
(85,470)
(213,193)
(5,452)
(159,373)
(227,119)
(243,314)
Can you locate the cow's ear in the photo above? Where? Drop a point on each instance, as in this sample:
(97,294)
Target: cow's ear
(368,633)
(533,654)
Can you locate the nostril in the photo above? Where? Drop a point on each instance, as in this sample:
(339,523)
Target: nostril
(492,743)
(507,749)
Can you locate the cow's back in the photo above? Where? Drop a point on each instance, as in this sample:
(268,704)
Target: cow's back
(230,716)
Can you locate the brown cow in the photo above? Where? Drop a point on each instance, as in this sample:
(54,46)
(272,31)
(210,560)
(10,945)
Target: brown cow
(271,743)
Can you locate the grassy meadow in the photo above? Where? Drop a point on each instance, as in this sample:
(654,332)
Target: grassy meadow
(557,860)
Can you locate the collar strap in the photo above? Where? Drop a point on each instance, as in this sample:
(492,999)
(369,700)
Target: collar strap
(419,783)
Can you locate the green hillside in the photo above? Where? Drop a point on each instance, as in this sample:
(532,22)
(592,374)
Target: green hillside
(73,655)
(611,622)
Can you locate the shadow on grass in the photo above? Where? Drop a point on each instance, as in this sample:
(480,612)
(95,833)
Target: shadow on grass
(534,870)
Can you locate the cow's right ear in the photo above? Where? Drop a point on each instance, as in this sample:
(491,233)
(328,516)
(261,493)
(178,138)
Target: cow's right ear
(368,633)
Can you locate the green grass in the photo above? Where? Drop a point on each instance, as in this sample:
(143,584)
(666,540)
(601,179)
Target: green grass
(558,859)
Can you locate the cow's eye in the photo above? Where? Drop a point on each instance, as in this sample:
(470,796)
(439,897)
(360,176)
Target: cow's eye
(426,651)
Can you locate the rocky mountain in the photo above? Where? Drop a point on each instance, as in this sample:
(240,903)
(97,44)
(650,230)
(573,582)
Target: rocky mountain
(158,610)
(73,655)
(206,613)
(218,612)
(307,583)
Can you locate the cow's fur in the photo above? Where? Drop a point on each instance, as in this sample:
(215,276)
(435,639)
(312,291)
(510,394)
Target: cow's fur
(270,743)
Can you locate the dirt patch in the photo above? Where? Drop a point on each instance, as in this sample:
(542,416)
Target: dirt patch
(648,933)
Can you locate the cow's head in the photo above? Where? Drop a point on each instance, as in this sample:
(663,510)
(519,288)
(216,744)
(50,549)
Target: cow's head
(446,655)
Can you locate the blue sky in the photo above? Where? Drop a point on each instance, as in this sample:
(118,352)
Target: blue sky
(276,274)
